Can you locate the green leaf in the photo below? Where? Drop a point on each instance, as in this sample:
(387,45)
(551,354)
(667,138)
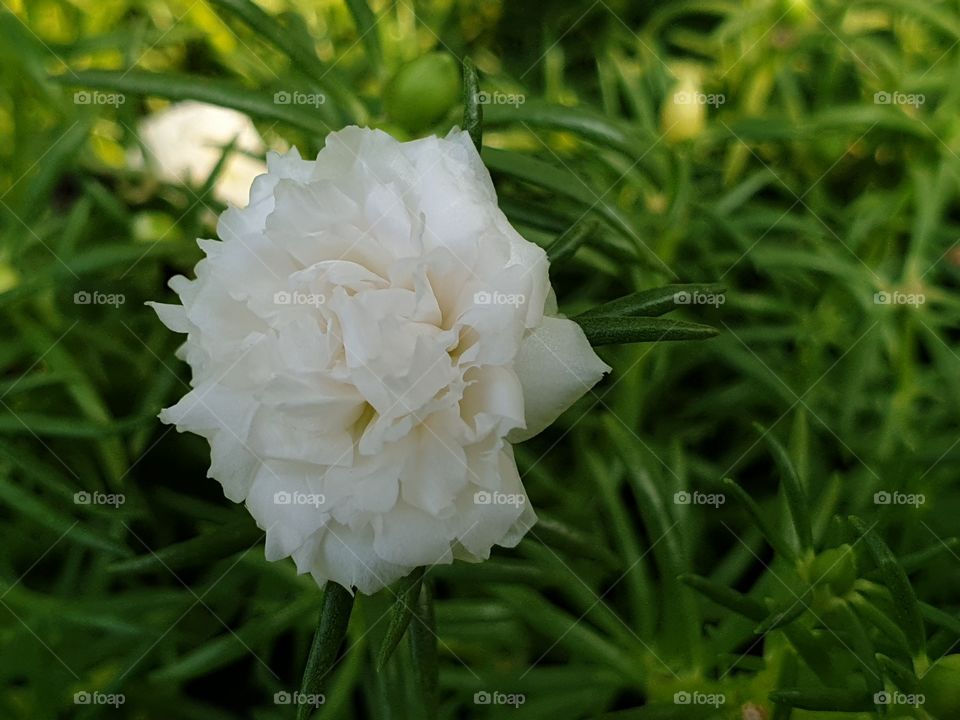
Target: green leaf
(902,676)
(588,124)
(650,303)
(193,87)
(472,109)
(872,614)
(609,330)
(667,544)
(568,243)
(567,630)
(835,699)
(905,605)
(408,591)
(786,678)
(202,550)
(331,630)
(71,530)
(550,530)
(810,649)
(664,711)
(423,646)
(796,496)
(938,617)
(921,558)
(366,23)
(760,519)
(726,597)
(562,181)
(303,58)
(232,645)
(67,427)
(782,617)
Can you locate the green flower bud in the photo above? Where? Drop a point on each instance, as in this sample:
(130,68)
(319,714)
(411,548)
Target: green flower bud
(9,278)
(683,114)
(422,91)
(150,226)
(941,688)
(836,567)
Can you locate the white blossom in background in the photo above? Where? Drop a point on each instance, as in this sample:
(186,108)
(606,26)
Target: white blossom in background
(367,339)
(184,142)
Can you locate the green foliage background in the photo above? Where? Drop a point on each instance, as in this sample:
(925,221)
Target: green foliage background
(799,193)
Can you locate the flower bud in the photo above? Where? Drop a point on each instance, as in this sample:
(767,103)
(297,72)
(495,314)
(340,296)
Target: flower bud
(9,278)
(941,688)
(682,115)
(836,567)
(422,91)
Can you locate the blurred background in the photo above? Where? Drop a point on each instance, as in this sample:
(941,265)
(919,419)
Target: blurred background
(803,154)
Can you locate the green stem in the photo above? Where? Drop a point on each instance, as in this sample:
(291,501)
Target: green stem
(331,629)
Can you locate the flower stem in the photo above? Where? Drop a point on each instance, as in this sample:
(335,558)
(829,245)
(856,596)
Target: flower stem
(331,629)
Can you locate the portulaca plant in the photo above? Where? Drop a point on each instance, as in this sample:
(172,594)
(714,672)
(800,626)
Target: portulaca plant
(367,339)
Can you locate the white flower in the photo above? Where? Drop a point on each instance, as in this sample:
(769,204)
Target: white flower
(366,341)
(185,142)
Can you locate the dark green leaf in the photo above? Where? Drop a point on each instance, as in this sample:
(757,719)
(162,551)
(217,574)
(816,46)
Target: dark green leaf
(331,630)
(407,593)
(651,303)
(472,109)
(905,605)
(609,330)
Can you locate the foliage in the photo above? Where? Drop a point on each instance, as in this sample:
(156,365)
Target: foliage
(780,149)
